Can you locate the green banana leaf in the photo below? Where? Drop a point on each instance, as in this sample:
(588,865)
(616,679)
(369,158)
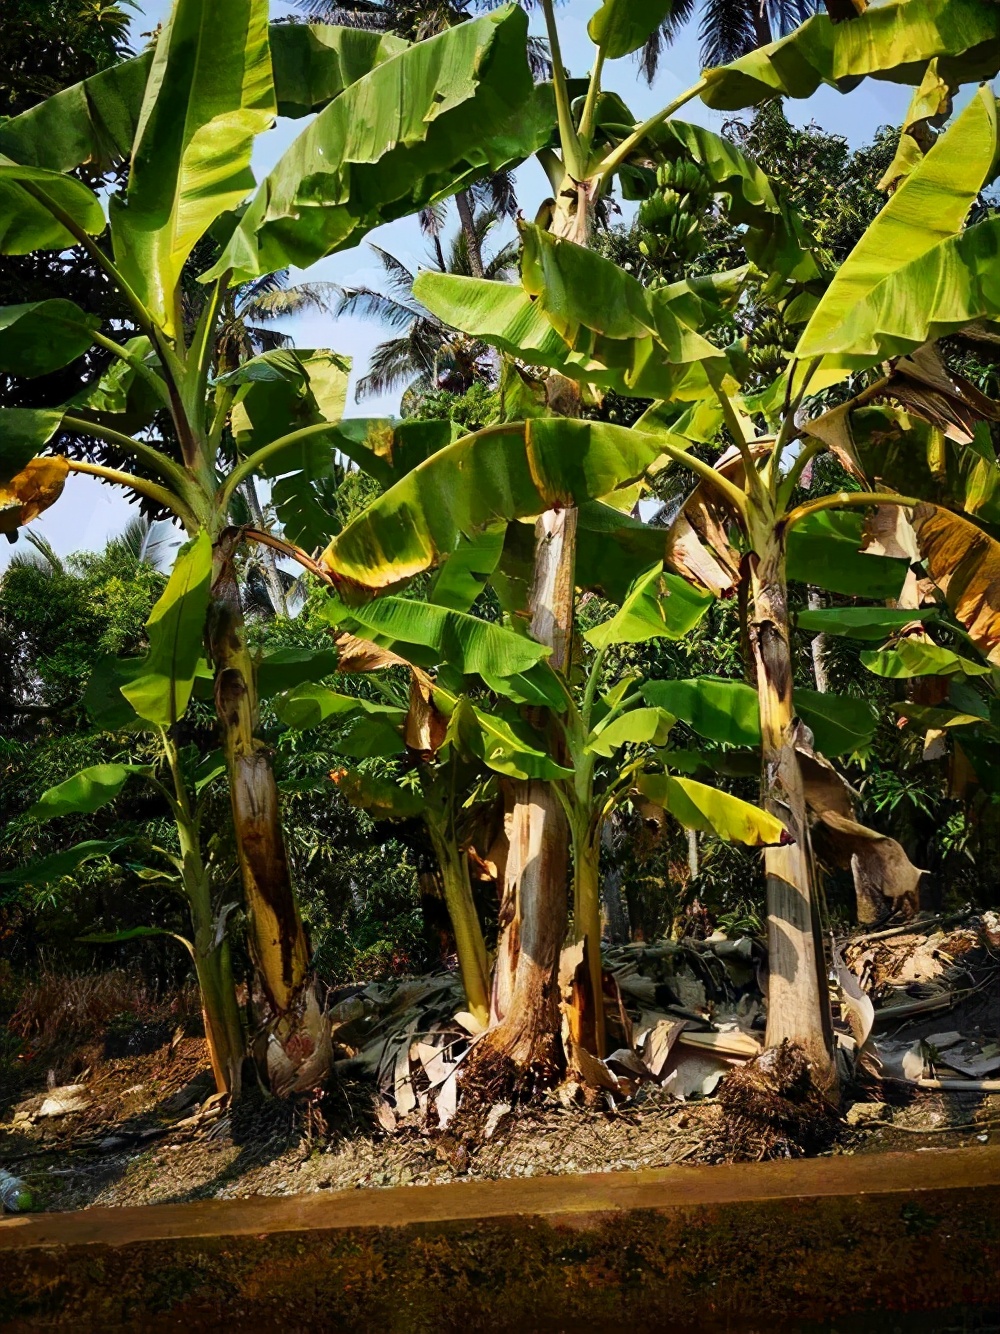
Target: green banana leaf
(509,472)
(622,26)
(582,315)
(427,635)
(380,797)
(27,224)
(892,40)
(286,668)
(937,294)
(929,106)
(508,747)
(91,121)
(49,869)
(314,63)
(658,606)
(917,657)
(106,706)
(824,550)
(86,791)
(133,933)
(371,738)
(579,290)
(96,120)
(161,688)
(697,806)
(728,711)
(413,130)
(896,251)
(614,550)
(209,93)
(310,704)
(283,391)
(24,432)
(466,572)
(840,724)
(42,336)
(648,726)
(718,709)
(871,623)
(123,397)
(928,718)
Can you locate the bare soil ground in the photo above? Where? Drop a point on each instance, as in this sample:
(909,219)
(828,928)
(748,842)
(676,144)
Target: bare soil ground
(130,1119)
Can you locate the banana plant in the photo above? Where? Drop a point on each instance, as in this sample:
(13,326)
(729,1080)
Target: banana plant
(441,727)
(612,738)
(746,523)
(185,117)
(599,140)
(191,868)
(456,738)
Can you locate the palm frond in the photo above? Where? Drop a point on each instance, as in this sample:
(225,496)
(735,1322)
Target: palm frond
(267,340)
(292,301)
(662,37)
(43,557)
(359,14)
(539,58)
(786,15)
(402,359)
(727,30)
(497,194)
(503,265)
(399,276)
(45,549)
(368,304)
(433,217)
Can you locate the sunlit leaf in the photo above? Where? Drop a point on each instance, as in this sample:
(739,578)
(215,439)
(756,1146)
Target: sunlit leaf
(86,791)
(697,806)
(161,687)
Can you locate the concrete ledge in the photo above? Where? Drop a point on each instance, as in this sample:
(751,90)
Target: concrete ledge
(737,1248)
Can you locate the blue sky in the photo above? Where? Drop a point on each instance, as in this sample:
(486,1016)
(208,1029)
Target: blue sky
(89,512)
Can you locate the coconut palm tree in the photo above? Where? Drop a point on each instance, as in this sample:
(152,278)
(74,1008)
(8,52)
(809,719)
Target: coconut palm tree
(728,29)
(241,332)
(426,353)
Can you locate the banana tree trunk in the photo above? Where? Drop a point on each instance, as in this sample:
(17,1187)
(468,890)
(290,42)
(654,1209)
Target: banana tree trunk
(296,1051)
(820,673)
(525,1020)
(213,967)
(798,1003)
(473,964)
(223,1030)
(587,924)
(613,913)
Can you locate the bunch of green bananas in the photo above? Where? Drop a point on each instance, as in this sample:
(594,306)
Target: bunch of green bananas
(769,347)
(670,220)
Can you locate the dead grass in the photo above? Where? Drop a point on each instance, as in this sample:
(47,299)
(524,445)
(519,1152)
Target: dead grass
(57,1009)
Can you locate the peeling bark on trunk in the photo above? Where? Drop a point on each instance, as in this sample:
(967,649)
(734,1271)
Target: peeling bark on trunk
(798,1007)
(295,1048)
(525,1021)
(819,647)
